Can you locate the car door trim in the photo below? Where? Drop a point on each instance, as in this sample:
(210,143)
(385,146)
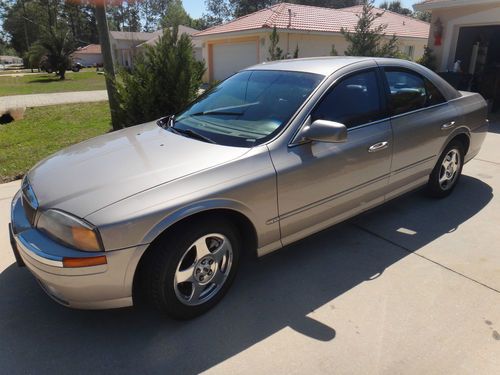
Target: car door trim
(410,166)
(328,199)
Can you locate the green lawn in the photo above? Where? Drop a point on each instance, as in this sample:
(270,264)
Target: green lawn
(46,83)
(45,130)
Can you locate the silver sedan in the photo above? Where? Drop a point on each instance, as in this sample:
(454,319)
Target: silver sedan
(165,211)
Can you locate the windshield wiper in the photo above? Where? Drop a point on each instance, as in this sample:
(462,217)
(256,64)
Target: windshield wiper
(166,122)
(192,134)
(224,113)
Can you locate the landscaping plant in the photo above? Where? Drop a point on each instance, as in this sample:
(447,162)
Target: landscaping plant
(368,39)
(162,80)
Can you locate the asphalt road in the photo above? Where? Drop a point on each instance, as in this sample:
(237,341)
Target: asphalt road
(412,287)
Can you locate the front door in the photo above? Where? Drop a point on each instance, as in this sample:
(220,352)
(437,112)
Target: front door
(322,183)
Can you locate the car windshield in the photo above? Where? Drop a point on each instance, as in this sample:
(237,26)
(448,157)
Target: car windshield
(248,108)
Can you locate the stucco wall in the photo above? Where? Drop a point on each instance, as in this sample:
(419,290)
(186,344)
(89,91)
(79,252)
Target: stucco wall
(310,45)
(452,19)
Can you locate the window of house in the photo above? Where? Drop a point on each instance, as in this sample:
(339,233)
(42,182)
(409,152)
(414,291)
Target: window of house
(353,101)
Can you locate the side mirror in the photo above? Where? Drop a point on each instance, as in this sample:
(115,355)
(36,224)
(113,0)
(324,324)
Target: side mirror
(325,131)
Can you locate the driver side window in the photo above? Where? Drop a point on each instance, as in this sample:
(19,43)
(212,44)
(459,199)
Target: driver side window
(353,101)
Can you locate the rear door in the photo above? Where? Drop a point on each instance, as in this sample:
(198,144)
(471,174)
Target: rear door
(421,119)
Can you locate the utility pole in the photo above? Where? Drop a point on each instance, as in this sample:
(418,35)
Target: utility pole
(109,70)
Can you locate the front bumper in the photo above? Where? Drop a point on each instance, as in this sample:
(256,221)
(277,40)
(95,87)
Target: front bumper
(97,287)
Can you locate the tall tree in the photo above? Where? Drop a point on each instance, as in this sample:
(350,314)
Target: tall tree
(176,15)
(396,7)
(368,39)
(59,45)
(241,8)
(102,27)
(218,11)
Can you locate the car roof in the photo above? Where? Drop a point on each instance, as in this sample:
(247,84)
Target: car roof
(323,65)
(319,65)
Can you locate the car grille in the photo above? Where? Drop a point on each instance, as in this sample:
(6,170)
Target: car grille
(29,211)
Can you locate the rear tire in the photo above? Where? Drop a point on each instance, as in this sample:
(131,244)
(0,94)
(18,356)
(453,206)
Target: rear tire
(447,172)
(189,270)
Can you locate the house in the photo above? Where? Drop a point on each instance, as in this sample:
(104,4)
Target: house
(464,37)
(229,47)
(125,45)
(88,56)
(10,61)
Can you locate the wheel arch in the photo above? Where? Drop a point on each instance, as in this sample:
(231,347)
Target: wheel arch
(181,218)
(461,134)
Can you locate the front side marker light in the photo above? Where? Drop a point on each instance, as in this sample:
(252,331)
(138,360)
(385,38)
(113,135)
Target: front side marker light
(84,262)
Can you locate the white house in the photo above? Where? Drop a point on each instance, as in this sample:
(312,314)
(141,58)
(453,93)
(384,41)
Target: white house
(89,55)
(467,31)
(125,45)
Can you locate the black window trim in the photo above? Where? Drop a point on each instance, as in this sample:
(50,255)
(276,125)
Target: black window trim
(387,90)
(384,109)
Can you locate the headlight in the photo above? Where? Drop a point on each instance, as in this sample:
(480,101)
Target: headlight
(70,230)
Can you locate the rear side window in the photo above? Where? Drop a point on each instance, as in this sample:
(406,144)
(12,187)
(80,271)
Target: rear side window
(434,96)
(353,101)
(410,91)
(407,91)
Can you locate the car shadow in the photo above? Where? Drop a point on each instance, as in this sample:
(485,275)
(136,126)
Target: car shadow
(270,294)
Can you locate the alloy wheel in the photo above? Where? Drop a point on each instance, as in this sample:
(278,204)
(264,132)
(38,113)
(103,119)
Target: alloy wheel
(203,269)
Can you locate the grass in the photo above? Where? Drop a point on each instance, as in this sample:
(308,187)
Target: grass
(47,83)
(45,130)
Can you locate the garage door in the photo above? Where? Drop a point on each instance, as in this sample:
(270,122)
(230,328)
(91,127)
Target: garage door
(230,58)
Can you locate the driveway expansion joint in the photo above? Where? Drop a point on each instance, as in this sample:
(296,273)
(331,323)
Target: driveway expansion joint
(487,161)
(423,257)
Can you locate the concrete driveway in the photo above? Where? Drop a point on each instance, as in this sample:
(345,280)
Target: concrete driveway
(412,287)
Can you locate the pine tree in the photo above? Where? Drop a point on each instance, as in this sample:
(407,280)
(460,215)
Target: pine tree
(162,80)
(367,39)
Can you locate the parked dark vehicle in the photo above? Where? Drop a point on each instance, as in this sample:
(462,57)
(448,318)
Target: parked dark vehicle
(269,156)
(46,66)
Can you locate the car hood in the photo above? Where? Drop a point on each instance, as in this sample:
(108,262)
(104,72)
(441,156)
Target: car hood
(93,174)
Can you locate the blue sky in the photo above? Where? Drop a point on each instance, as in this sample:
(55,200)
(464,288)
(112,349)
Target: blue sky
(196,8)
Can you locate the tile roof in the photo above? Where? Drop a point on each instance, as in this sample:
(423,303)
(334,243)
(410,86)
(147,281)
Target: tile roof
(132,35)
(90,49)
(310,18)
(182,30)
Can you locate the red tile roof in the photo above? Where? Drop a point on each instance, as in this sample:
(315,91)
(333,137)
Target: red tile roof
(90,49)
(310,18)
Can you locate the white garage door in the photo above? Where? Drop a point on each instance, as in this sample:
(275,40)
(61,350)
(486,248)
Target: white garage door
(230,58)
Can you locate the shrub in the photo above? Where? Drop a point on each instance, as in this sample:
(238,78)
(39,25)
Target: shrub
(428,59)
(163,80)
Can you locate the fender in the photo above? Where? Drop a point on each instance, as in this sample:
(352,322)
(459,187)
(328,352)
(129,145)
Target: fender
(462,129)
(196,208)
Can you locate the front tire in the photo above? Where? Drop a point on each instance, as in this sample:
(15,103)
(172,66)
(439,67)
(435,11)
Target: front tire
(189,271)
(447,171)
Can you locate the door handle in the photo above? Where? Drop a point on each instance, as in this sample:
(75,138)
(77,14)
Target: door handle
(448,125)
(378,146)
